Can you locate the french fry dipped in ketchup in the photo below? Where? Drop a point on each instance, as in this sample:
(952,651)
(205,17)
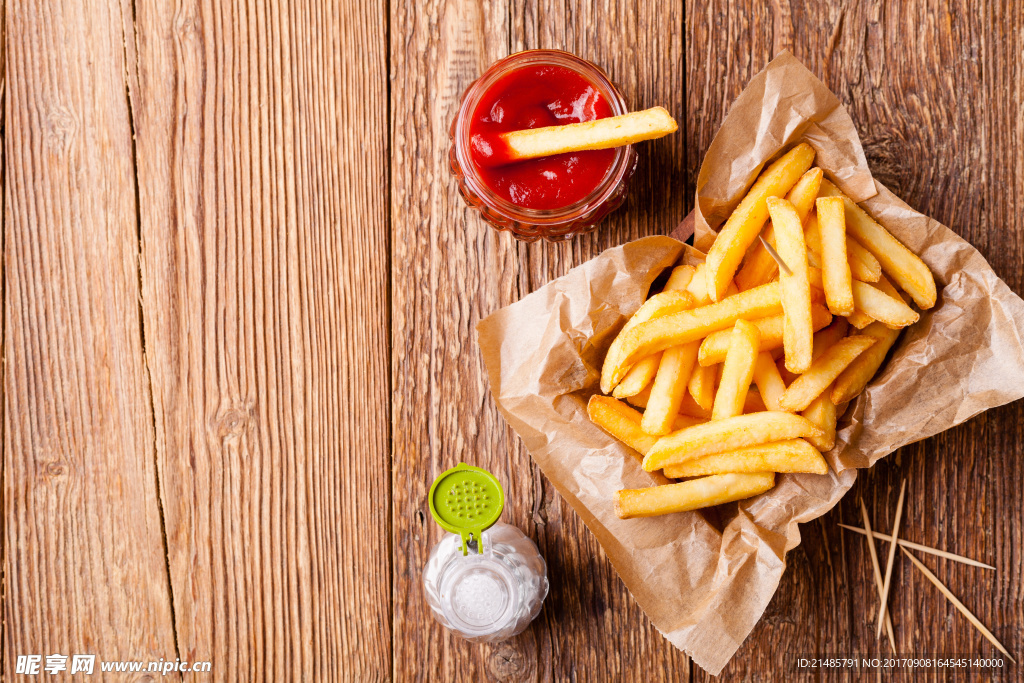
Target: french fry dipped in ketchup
(499,149)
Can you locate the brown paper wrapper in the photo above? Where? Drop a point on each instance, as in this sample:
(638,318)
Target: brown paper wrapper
(704,579)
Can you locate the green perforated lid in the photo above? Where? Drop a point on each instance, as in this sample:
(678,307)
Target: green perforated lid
(465,500)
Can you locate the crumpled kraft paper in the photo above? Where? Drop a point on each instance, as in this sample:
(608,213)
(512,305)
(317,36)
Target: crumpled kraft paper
(705,578)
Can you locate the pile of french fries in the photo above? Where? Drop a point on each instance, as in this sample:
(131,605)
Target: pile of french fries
(742,364)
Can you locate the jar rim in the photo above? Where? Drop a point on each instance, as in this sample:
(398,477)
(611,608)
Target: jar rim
(617,173)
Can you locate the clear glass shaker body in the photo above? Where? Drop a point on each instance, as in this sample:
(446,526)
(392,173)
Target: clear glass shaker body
(486,596)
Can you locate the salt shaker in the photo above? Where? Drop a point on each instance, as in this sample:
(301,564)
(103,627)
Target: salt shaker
(485,580)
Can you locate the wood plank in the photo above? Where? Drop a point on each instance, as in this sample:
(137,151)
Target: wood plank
(450,270)
(262,148)
(84,563)
(935,90)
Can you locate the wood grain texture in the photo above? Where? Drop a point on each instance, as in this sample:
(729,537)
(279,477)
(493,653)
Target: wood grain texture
(262,157)
(84,563)
(937,93)
(449,271)
(239,350)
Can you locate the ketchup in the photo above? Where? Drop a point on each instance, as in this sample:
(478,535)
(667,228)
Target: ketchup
(536,96)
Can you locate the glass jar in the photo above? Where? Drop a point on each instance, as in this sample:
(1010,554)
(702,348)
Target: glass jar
(490,594)
(531,224)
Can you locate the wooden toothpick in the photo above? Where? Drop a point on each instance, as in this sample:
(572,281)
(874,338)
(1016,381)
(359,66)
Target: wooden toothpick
(921,548)
(775,255)
(892,556)
(877,572)
(959,605)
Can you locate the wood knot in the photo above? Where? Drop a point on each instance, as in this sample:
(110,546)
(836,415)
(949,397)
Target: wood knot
(60,128)
(232,421)
(506,662)
(53,469)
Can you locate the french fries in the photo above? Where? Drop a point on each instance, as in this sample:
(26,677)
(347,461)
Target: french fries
(640,400)
(661,333)
(680,278)
(638,377)
(690,495)
(702,387)
(716,344)
(835,264)
(903,265)
(669,386)
(882,307)
(759,267)
(823,414)
(826,337)
(857,374)
(737,372)
(798,330)
(661,304)
(621,421)
(863,265)
(823,372)
(745,223)
(791,455)
(742,379)
(614,131)
(727,434)
(768,380)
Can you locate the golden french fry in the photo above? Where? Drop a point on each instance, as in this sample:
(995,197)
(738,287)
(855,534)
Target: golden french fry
(835,264)
(716,345)
(753,403)
(680,278)
(882,307)
(614,131)
(669,387)
(792,455)
(737,371)
(768,380)
(621,421)
(743,226)
(863,265)
(824,339)
(823,372)
(887,287)
(857,374)
(727,434)
(690,495)
(798,329)
(759,267)
(705,388)
(661,304)
(859,319)
(805,191)
(661,333)
(698,287)
(641,374)
(786,375)
(823,414)
(638,377)
(640,400)
(903,265)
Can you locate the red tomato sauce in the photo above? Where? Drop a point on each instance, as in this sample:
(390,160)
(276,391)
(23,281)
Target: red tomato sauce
(535,97)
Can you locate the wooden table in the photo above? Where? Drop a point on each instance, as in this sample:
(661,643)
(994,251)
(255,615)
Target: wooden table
(239,300)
